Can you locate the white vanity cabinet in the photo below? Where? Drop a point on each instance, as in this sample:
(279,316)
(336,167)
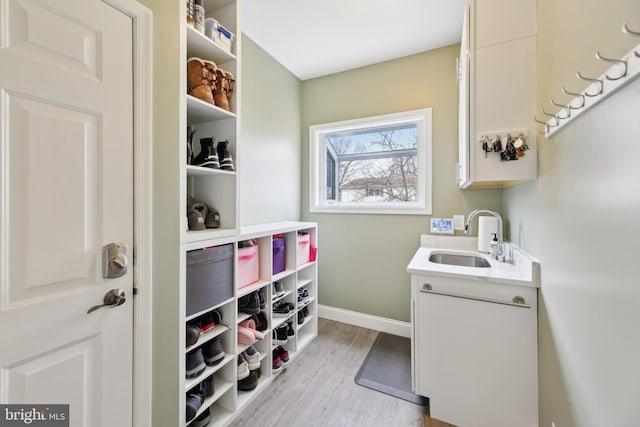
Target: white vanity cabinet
(497,80)
(474,347)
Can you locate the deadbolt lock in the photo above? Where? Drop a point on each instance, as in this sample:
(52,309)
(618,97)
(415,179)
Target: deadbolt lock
(115,260)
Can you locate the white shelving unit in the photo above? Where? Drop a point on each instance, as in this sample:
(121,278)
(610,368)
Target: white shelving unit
(218,189)
(228,400)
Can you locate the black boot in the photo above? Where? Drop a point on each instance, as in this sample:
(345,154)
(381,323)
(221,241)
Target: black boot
(226,162)
(207,157)
(190,133)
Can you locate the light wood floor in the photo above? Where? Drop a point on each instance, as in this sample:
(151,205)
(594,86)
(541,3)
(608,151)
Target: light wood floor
(318,388)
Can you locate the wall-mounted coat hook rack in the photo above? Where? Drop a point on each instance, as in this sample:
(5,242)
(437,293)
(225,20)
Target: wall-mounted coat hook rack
(622,71)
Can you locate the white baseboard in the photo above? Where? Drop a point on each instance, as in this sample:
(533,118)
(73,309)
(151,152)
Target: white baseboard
(382,324)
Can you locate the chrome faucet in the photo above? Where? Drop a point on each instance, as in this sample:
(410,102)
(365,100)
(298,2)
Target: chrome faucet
(468,228)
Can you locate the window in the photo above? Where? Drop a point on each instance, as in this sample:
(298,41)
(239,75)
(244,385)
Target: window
(377,164)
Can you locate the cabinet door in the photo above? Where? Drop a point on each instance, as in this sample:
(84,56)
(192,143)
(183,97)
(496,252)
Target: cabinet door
(477,361)
(497,21)
(503,99)
(463,103)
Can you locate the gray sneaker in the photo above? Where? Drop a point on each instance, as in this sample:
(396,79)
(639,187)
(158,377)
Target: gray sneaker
(195,363)
(196,214)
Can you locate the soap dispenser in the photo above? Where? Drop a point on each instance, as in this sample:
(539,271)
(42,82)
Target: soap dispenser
(493,246)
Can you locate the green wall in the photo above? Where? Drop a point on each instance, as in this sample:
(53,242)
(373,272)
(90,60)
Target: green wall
(270,133)
(167,129)
(580,219)
(364,257)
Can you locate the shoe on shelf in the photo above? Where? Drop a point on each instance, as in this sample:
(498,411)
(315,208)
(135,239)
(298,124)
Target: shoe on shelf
(249,304)
(243,368)
(203,419)
(198,78)
(276,366)
(250,382)
(279,335)
(194,402)
(208,155)
(195,363)
(278,289)
(213,351)
(212,220)
(281,309)
(193,333)
(281,354)
(300,317)
(208,387)
(190,133)
(226,162)
(196,213)
(251,325)
(303,295)
(261,298)
(246,336)
(252,357)
(305,311)
(291,331)
(209,320)
(261,321)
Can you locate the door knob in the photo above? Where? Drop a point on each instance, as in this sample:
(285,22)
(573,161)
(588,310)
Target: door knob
(113,298)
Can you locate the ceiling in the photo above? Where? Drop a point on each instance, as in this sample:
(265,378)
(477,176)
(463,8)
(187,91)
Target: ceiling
(315,38)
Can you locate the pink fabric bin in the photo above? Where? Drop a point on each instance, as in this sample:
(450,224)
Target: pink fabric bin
(304,249)
(248,266)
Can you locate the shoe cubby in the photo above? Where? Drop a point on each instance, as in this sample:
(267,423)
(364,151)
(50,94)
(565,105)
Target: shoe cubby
(223,386)
(222,295)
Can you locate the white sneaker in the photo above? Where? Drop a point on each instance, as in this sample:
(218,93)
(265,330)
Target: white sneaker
(243,368)
(252,358)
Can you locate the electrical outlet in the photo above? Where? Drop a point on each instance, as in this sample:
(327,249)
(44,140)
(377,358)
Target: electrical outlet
(458,222)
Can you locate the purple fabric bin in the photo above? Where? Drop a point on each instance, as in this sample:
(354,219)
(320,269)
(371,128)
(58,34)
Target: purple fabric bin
(279,255)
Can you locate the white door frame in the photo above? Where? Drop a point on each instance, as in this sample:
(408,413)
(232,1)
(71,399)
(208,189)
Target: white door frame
(142,192)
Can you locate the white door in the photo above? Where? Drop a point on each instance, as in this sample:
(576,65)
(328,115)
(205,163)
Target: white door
(66,189)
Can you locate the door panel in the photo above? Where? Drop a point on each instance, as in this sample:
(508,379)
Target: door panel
(47,259)
(37,379)
(52,36)
(66,189)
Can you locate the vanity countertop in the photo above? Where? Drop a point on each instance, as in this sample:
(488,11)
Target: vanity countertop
(520,268)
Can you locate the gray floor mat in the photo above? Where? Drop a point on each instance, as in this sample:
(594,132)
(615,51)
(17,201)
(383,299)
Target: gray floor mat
(387,368)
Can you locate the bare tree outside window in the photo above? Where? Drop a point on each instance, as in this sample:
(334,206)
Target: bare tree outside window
(379,166)
(376,165)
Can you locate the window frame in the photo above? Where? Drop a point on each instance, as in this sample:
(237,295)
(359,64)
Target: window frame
(318,165)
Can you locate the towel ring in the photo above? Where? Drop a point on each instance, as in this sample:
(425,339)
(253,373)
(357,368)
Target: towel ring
(588,79)
(577,95)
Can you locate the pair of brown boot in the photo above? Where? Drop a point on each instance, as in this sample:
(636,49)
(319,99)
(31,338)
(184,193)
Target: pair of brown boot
(209,83)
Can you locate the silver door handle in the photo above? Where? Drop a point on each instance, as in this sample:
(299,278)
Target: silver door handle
(113,298)
(517,301)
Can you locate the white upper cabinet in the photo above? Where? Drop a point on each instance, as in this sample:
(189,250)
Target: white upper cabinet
(497,80)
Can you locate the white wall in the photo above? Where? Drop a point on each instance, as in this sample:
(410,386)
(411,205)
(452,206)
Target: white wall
(580,218)
(270,135)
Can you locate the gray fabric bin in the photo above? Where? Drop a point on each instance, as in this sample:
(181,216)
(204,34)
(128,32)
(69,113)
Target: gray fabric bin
(209,277)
